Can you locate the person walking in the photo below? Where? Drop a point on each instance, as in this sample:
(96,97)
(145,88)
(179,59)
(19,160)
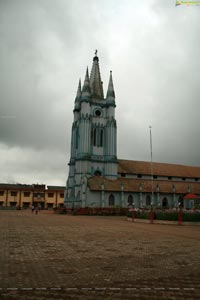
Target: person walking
(32,208)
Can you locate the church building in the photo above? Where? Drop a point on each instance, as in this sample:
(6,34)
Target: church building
(97,178)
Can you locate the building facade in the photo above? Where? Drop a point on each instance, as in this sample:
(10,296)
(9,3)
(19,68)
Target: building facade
(25,195)
(97,178)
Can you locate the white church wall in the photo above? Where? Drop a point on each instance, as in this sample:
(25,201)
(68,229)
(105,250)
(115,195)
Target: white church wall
(93,199)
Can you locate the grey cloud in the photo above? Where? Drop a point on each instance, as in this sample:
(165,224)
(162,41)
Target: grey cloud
(152,48)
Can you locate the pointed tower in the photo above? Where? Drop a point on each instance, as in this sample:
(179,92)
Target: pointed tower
(110,96)
(77,99)
(86,93)
(74,134)
(96,84)
(111,129)
(94,133)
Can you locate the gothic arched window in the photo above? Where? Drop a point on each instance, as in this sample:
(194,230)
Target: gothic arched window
(95,137)
(130,200)
(101,138)
(111,200)
(148,200)
(97,173)
(165,202)
(180,201)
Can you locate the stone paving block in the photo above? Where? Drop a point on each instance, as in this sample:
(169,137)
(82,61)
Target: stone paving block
(48,256)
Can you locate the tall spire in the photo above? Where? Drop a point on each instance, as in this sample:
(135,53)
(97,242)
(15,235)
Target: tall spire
(86,92)
(78,97)
(110,96)
(78,94)
(96,84)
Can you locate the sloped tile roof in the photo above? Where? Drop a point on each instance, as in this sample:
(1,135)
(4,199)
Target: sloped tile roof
(15,186)
(191,196)
(159,169)
(133,185)
(58,188)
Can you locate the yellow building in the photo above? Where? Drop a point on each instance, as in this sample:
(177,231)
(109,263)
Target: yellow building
(25,196)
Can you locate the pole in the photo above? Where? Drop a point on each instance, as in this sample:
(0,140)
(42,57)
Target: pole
(152,200)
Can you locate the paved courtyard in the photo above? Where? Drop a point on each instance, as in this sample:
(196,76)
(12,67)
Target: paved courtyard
(48,256)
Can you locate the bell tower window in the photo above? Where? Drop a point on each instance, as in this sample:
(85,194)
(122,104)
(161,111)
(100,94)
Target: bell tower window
(101,138)
(95,137)
(97,173)
(97,113)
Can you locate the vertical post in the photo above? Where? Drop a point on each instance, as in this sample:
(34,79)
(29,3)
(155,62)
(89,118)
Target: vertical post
(151,216)
(133,213)
(6,197)
(152,200)
(20,198)
(180,215)
(56,198)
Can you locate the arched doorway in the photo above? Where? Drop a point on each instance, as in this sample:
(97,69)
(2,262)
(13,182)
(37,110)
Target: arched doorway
(130,200)
(97,173)
(111,200)
(165,203)
(180,201)
(148,200)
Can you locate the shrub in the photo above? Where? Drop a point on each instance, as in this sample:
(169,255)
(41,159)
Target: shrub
(191,217)
(163,215)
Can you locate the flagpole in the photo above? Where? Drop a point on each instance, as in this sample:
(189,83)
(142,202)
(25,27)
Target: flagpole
(152,200)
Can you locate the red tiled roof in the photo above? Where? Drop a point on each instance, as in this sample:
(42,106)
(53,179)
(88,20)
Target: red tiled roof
(191,196)
(133,185)
(159,169)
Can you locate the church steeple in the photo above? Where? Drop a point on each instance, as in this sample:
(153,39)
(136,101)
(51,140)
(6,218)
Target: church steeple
(78,96)
(86,92)
(93,138)
(96,84)
(110,96)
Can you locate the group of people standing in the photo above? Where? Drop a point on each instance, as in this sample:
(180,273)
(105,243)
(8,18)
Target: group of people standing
(35,209)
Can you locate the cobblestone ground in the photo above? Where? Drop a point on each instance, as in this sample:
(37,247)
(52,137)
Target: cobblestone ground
(48,256)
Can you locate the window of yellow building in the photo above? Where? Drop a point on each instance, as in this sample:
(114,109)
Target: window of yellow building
(27,194)
(50,195)
(13,193)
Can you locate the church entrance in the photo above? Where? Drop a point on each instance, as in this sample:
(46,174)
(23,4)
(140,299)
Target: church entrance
(97,173)
(148,200)
(111,200)
(130,200)
(165,203)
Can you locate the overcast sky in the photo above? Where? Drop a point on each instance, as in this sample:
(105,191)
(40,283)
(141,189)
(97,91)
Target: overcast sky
(153,49)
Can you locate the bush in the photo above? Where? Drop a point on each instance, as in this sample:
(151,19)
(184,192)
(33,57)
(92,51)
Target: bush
(168,216)
(139,214)
(143,214)
(191,217)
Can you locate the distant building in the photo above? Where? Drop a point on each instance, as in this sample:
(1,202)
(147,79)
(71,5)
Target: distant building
(25,195)
(97,178)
